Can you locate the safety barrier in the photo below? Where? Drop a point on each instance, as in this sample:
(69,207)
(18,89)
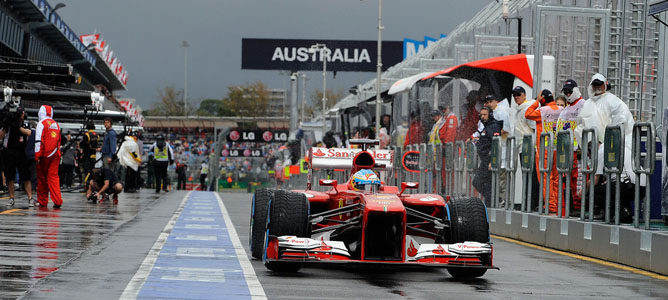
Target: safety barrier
(613,163)
(527,159)
(564,167)
(471,166)
(459,166)
(639,168)
(449,156)
(588,165)
(495,167)
(545,148)
(510,168)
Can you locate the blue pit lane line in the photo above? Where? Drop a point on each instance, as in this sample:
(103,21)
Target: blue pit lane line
(198,256)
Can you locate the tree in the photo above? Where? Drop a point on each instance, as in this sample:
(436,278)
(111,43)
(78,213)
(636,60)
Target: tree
(170,104)
(316,101)
(248,100)
(210,108)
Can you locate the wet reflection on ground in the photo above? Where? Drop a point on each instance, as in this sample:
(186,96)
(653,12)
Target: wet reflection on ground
(35,242)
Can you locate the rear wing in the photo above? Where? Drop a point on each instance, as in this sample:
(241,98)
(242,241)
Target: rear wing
(342,158)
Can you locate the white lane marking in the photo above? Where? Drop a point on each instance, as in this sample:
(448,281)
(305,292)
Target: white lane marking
(137,282)
(192,237)
(254,286)
(200,219)
(201,226)
(198,252)
(196,274)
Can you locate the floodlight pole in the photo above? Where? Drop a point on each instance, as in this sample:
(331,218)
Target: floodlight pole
(185,79)
(379,66)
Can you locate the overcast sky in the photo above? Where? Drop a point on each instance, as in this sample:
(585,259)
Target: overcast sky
(146,35)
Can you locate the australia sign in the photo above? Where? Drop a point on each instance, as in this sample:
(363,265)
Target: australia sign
(297,55)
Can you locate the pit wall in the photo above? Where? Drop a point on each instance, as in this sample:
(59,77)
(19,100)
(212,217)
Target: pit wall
(643,249)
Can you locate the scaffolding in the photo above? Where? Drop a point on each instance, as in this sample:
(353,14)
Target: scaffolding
(629,57)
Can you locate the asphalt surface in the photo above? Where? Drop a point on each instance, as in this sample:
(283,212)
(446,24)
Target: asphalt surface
(91,251)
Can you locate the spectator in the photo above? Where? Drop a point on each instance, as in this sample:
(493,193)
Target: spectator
(204,171)
(386,122)
(129,158)
(13,137)
(415,131)
(68,162)
(30,156)
(469,123)
(603,109)
(329,140)
(546,118)
(521,126)
(150,172)
(568,121)
(483,175)
(47,155)
(501,111)
(89,145)
(164,156)
(102,183)
(434,137)
(108,145)
(181,169)
(448,131)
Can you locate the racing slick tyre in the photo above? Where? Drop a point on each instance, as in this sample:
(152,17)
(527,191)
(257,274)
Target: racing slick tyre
(468,222)
(288,215)
(258,220)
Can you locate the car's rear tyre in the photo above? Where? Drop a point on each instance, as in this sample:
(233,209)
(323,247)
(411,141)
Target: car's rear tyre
(468,222)
(258,221)
(288,215)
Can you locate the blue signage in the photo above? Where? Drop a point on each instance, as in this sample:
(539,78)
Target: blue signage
(412,47)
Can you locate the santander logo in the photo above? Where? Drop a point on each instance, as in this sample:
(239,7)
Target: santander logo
(319,153)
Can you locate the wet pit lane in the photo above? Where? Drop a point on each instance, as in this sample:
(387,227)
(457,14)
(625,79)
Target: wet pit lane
(34,242)
(525,273)
(90,251)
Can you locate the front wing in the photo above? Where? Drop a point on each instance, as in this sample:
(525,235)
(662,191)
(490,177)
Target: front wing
(307,250)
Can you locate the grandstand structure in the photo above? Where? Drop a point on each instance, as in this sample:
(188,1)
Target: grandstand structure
(617,38)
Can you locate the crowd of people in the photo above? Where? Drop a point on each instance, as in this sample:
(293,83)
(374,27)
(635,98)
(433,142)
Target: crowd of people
(485,119)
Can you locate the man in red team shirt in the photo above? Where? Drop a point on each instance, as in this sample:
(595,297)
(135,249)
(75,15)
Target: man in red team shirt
(47,155)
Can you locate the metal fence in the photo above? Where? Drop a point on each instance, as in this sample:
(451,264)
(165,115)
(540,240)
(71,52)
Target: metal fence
(449,169)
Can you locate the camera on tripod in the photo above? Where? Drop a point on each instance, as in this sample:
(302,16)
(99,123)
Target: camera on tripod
(9,114)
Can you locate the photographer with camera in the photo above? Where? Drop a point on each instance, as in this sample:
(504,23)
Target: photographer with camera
(102,183)
(14,135)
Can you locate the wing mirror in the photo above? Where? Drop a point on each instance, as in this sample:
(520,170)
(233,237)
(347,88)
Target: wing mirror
(329,182)
(408,185)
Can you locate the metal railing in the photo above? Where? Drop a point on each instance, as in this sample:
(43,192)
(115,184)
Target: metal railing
(588,165)
(646,168)
(613,163)
(545,168)
(564,167)
(495,167)
(527,164)
(510,168)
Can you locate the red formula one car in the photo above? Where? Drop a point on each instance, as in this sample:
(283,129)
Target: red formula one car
(380,224)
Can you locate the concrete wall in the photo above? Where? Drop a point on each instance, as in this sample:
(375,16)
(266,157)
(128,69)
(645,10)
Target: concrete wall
(626,245)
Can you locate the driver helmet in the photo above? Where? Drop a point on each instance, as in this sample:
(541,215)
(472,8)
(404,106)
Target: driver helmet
(365,180)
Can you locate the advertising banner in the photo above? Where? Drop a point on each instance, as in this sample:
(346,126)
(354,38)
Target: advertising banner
(258,135)
(296,55)
(251,152)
